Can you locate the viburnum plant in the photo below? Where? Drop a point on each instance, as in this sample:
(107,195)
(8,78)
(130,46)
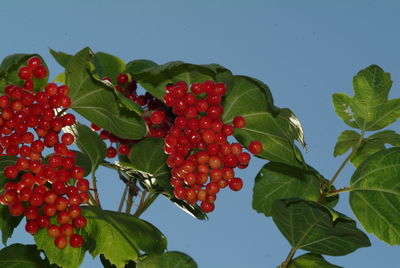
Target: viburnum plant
(169,130)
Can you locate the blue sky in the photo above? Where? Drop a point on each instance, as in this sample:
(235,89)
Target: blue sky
(303,50)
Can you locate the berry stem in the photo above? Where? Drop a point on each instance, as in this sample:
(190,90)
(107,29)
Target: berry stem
(96,193)
(145,203)
(132,192)
(123,197)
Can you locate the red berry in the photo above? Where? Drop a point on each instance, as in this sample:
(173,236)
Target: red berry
(66,229)
(53,230)
(111,152)
(40,72)
(255,147)
(236,184)
(157,117)
(76,241)
(11,172)
(67,139)
(33,62)
(207,207)
(79,222)
(32,227)
(61,242)
(122,78)
(24,73)
(239,122)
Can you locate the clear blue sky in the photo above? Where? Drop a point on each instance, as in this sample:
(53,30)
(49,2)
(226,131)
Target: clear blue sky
(304,50)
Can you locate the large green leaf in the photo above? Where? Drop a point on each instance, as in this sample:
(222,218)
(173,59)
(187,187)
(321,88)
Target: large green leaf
(10,66)
(375,195)
(95,100)
(7,223)
(172,259)
(370,108)
(90,143)
(311,226)
(155,78)
(311,260)
(276,181)
(22,256)
(120,237)
(61,57)
(277,129)
(148,156)
(107,65)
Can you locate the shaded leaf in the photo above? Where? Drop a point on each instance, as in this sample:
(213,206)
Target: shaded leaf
(21,256)
(311,260)
(120,237)
(370,108)
(96,101)
(154,79)
(107,264)
(90,143)
(277,129)
(276,181)
(7,223)
(148,156)
(375,198)
(171,259)
(310,226)
(5,161)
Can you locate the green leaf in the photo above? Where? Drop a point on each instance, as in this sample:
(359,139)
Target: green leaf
(375,143)
(21,256)
(120,237)
(60,78)
(138,66)
(154,79)
(5,160)
(148,156)
(172,259)
(313,227)
(90,143)
(277,129)
(311,260)
(370,108)
(83,160)
(107,65)
(7,223)
(107,264)
(12,63)
(61,57)
(375,195)
(348,139)
(127,103)
(95,100)
(276,181)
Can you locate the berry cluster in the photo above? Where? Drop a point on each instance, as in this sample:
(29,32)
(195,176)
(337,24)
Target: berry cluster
(201,159)
(155,116)
(41,188)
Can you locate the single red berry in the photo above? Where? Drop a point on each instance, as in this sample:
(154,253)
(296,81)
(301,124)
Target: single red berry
(24,73)
(61,242)
(79,222)
(67,139)
(51,89)
(32,227)
(40,72)
(16,209)
(207,207)
(43,221)
(66,229)
(122,78)
(255,147)
(239,122)
(111,152)
(53,230)
(123,149)
(33,62)
(11,172)
(236,184)
(157,117)
(76,241)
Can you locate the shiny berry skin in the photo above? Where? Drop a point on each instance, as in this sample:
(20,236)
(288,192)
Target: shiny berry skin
(122,78)
(66,229)
(111,152)
(40,72)
(61,242)
(33,62)
(207,207)
(11,172)
(236,184)
(32,227)
(76,241)
(239,122)
(157,117)
(79,222)
(123,149)
(255,147)
(53,230)
(24,73)
(16,209)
